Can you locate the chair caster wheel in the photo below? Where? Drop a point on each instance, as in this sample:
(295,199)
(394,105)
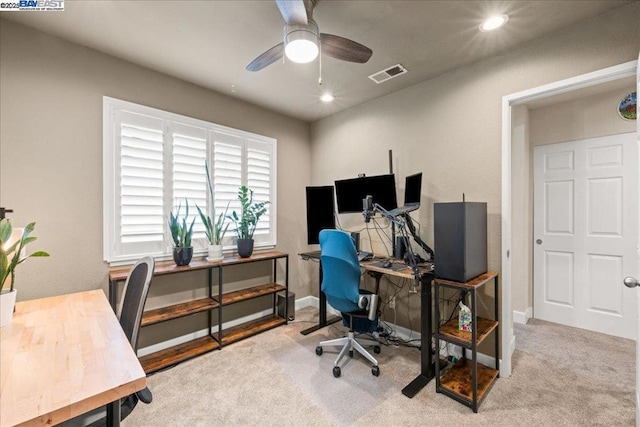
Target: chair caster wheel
(319,351)
(350,353)
(375,371)
(336,371)
(376,349)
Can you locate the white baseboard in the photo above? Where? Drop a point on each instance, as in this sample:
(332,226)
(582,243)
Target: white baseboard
(309,301)
(522,317)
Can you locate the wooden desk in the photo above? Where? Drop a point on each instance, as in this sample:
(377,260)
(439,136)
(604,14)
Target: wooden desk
(63,356)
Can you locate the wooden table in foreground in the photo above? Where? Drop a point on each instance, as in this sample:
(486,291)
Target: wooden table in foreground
(63,356)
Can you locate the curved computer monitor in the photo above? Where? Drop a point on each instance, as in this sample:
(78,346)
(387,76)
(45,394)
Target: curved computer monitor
(350,192)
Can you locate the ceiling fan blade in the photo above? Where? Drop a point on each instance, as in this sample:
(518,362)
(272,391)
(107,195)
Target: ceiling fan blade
(344,49)
(267,58)
(293,11)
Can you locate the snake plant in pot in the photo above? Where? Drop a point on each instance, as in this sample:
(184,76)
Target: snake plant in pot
(181,234)
(12,245)
(247,221)
(215,230)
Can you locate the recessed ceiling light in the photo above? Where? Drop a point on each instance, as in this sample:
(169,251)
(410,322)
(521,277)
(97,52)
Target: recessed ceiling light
(494,22)
(327,97)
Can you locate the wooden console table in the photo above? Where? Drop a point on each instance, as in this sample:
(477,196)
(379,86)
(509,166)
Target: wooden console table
(172,355)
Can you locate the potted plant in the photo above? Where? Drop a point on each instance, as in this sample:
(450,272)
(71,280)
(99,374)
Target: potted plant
(247,221)
(181,235)
(11,254)
(215,231)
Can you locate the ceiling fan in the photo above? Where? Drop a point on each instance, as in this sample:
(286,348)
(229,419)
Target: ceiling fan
(303,41)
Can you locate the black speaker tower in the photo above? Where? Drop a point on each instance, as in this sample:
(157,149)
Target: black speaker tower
(460,239)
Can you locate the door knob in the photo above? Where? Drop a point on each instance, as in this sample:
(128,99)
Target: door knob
(631,282)
(539,242)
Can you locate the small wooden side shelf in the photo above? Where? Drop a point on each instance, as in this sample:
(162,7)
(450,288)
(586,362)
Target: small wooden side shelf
(178,353)
(468,381)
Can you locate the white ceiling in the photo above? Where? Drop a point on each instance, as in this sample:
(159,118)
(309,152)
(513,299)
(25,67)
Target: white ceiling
(209,43)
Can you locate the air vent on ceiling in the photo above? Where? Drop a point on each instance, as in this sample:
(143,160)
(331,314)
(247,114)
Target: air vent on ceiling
(388,74)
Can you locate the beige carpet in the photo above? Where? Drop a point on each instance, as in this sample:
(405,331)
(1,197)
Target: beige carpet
(561,377)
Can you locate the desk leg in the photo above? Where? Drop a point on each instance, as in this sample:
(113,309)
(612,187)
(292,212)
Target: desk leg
(426,353)
(323,309)
(113,414)
(113,294)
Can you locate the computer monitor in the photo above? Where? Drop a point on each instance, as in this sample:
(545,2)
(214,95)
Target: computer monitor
(412,188)
(350,192)
(320,212)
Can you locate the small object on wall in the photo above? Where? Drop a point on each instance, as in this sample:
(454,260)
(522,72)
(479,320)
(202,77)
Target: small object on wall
(628,107)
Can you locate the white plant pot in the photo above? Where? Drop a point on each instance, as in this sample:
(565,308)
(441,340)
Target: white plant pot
(215,253)
(7,304)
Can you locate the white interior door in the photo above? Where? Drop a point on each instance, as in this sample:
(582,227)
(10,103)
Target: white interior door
(585,231)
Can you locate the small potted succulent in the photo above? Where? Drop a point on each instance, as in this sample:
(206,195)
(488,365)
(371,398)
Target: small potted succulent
(247,221)
(181,234)
(12,245)
(215,230)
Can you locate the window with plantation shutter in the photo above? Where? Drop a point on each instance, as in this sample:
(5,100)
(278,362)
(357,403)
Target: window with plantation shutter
(140,151)
(155,160)
(259,177)
(189,177)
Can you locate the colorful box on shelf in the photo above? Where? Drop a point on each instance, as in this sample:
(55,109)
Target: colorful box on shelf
(464,318)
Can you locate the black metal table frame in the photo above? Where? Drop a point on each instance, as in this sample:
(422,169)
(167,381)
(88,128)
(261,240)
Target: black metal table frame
(323,321)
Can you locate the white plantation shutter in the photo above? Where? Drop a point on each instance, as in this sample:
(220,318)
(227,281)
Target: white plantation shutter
(153,160)
(226,177)
(189,178)
(259,178)
(140,218)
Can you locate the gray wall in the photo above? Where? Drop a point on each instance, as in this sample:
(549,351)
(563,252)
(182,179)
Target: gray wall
(51,154)
(450,127)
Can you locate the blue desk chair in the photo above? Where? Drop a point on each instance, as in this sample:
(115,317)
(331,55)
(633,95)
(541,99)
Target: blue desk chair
(341,285)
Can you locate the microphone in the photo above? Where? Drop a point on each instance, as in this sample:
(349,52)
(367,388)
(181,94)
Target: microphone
(367,208)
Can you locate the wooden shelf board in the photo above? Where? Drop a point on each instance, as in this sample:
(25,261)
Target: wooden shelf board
(169,312)
(253,292)
(450,331)
(474,283)
(248,329)
(169,267)
(457,380)
(178,353)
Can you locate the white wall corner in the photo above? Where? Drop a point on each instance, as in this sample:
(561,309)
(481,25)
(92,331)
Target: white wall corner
(522,317)
(512,344)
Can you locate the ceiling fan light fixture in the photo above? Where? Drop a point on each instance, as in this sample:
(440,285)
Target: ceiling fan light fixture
(301,42)
(327,97)
(494,22)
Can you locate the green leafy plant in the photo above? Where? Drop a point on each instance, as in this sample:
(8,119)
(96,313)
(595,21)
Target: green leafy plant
(250,213)
(10,256)
(215,231)
(180,231)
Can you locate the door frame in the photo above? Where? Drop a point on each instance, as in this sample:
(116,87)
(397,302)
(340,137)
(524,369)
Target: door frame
(595,78)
